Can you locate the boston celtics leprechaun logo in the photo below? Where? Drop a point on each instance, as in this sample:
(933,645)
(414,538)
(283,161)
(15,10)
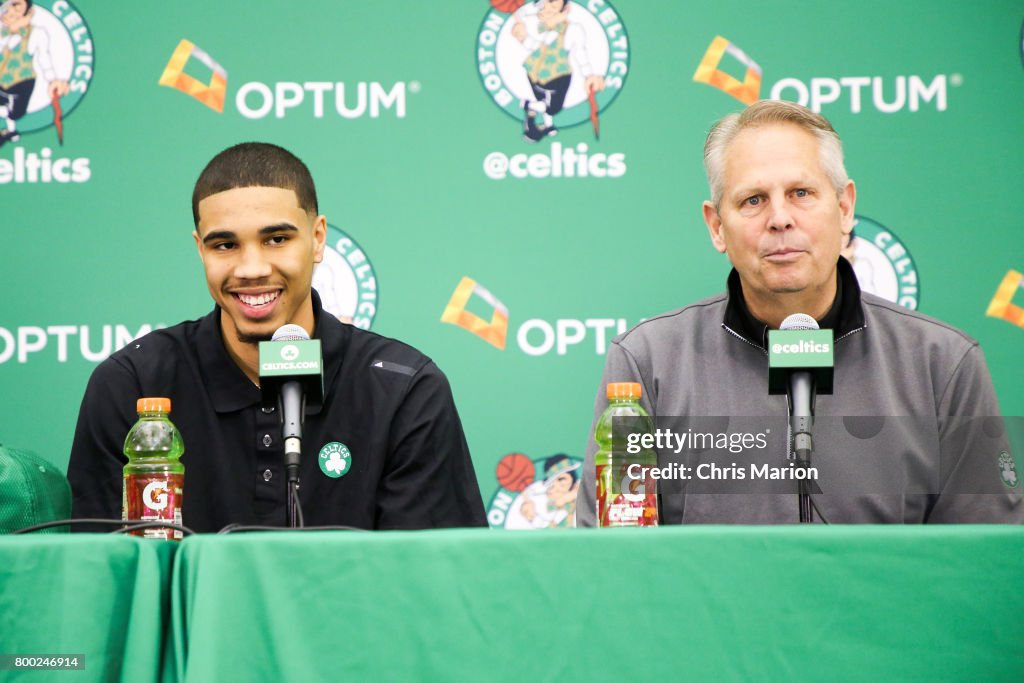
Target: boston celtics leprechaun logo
(552,64)
(46,66)
(883,263)
(346,280)
(535,494)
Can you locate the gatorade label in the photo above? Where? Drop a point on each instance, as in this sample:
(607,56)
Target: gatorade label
(633,503)
(151,498)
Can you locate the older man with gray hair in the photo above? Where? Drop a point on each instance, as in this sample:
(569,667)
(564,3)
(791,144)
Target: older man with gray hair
(921,441)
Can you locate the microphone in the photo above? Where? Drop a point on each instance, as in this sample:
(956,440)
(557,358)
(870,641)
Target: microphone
(798,346)
(801,389)
(800,364)
(292,377)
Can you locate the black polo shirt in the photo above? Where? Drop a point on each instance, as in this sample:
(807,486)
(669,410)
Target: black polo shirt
(385,401)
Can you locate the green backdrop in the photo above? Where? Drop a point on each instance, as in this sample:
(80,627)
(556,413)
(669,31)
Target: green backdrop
(926,95)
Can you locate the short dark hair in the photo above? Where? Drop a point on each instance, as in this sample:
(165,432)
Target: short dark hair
(553,460)
(255,164)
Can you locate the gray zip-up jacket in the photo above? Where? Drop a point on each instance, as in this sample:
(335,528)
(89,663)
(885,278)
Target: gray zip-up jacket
(911,434)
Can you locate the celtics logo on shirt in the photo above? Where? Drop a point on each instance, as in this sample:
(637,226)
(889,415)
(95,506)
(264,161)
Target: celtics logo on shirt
(1008,470)
(335,459)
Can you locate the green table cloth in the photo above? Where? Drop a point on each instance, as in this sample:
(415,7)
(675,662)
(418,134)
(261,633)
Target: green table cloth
(103,596)
(699,603)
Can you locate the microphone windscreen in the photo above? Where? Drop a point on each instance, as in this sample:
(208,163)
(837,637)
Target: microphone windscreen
(800,345)
(292,332)
(797,321)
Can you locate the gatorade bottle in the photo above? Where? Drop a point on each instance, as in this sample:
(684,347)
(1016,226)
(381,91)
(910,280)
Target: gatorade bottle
(154,476)
(622,499)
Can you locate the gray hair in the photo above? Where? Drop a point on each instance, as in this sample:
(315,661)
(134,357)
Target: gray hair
(766,112)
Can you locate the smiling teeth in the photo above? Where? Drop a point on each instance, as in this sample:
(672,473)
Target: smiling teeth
(257,300)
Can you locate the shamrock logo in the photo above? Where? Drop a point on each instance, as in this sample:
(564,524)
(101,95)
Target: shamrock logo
(335,459)
(336,464)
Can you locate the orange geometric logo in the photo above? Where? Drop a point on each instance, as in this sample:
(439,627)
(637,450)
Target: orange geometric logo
(211,94)
(493,332)
(747,92)
(1002,305)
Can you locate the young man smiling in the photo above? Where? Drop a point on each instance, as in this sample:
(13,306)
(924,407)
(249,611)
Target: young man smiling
(911,432)
(258,247)
(387,408)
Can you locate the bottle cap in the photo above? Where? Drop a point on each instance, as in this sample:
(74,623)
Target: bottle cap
(624,390)
(153,405)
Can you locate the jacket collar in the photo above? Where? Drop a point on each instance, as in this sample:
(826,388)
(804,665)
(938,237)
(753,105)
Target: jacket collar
(845,315)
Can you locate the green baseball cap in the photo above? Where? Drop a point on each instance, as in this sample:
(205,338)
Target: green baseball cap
(32,491)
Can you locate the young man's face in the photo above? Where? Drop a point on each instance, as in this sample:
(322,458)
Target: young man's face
(780,221)
(258,249)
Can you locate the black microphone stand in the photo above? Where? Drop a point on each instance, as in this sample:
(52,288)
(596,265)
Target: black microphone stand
(801,421)
(293,411)
(295,520)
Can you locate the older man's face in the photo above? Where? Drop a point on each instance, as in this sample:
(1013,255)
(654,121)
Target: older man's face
(780,221)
